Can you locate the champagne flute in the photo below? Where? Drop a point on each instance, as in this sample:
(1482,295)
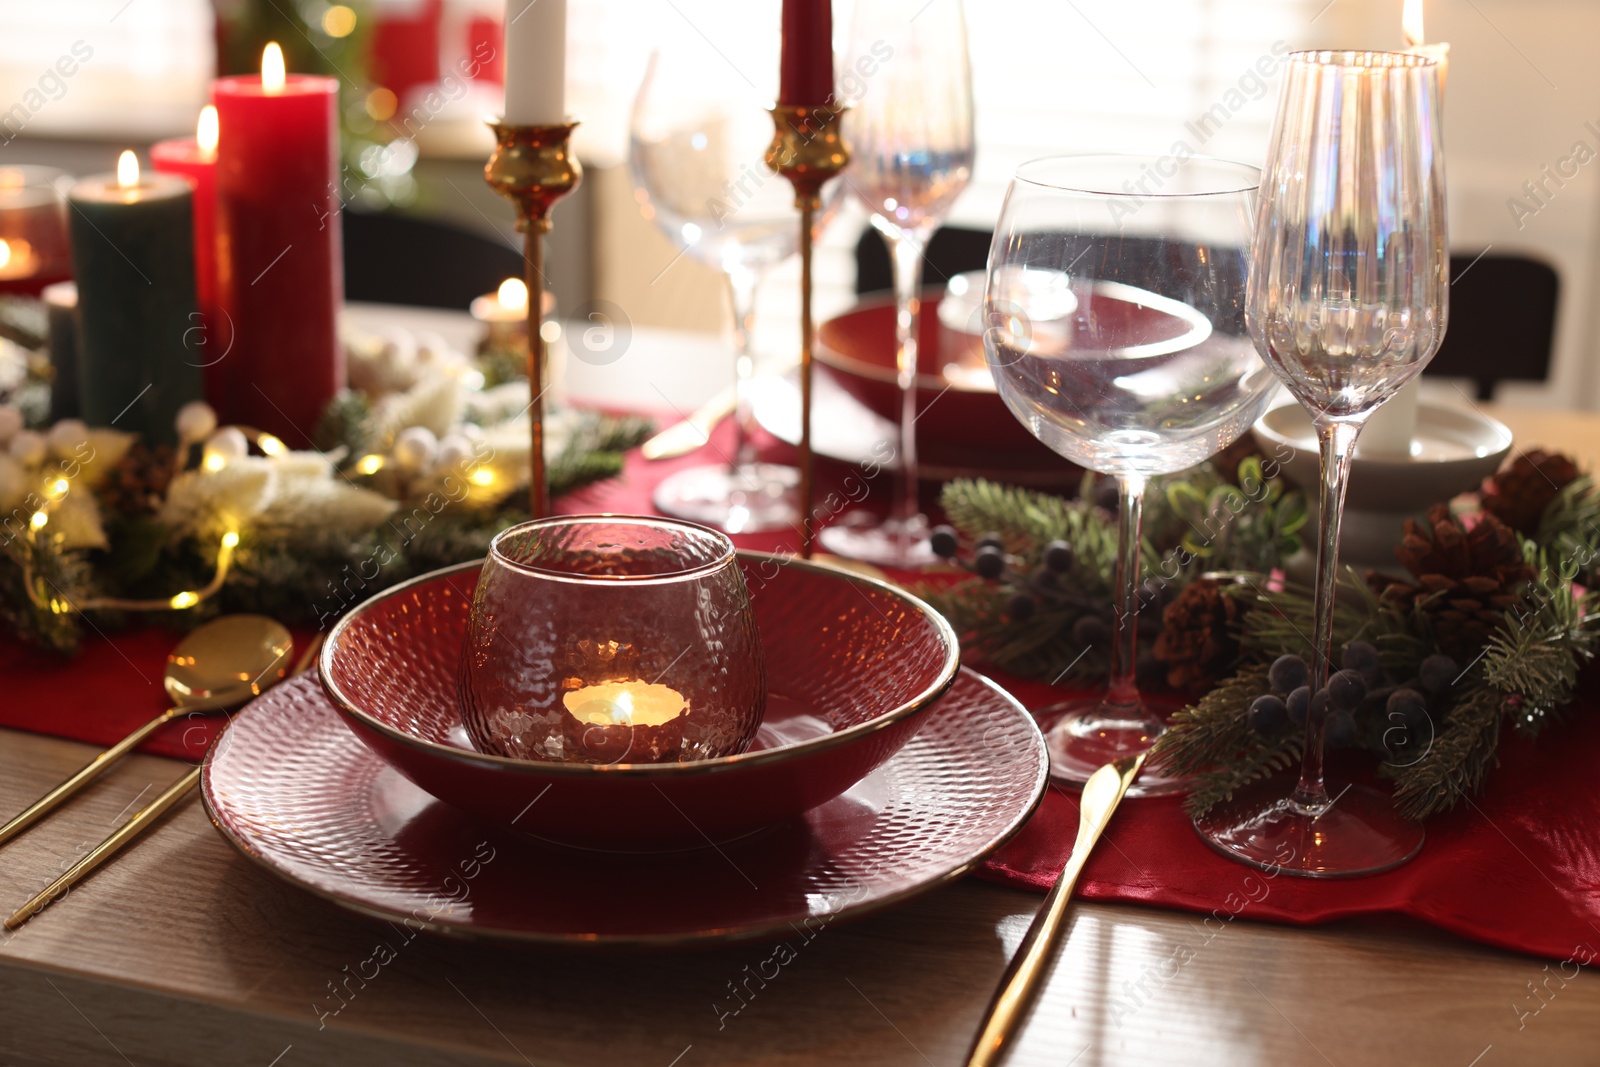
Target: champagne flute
(1114,304)
(911,148)
(1348,301)
(698,136)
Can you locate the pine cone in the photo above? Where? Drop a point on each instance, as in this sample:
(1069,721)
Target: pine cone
(1199,635)
(138,483)
(1519,494)
(1465,579)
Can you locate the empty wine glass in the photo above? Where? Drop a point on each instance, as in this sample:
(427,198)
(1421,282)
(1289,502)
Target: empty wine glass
(1116,333)
(911,148)
(699,135)
(1348,300)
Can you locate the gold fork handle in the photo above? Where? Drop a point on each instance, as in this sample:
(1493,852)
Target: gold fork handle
(85,774)
(107,848)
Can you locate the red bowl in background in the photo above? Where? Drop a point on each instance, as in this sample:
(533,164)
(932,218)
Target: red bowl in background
(852,666)
(963,422)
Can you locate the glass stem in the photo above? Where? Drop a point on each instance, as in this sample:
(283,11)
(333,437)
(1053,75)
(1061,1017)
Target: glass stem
(742,284)
(1337,438)
(906,250)
(1122,696)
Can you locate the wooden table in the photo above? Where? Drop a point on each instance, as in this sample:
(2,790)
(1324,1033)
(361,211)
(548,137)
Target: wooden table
(182,952)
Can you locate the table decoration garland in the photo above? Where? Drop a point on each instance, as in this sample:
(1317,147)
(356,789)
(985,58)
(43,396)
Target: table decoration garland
(1487,629)
(417,466)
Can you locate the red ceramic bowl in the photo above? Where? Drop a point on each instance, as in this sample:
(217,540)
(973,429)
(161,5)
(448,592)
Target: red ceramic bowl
(961,425)
(852,665)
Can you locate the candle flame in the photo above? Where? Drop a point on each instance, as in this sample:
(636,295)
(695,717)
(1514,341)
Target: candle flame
(127,170)
(5,252)
(1411,23)
(272,72)
(513,295)
(205,132)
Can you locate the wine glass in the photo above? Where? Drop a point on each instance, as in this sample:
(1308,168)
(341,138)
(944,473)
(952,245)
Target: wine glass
(1348,301)
(1114,306)
(699,136)
(911,150)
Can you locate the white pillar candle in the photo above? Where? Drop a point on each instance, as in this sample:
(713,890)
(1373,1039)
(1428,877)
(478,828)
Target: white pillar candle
(536,62)
(1389,430)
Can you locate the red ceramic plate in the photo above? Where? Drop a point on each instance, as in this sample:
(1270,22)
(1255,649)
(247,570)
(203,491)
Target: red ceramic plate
(853,664)
(293,789)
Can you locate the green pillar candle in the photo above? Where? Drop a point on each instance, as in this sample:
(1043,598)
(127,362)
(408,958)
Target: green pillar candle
(133,256)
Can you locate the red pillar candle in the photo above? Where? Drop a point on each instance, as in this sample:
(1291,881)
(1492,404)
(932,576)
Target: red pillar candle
(806,67)
(195,158)
(279,255)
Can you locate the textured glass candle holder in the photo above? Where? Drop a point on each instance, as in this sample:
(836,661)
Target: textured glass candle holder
(608,639)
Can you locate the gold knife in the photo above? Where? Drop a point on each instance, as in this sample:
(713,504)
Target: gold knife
(1101,795)
(691,433)
(130,829)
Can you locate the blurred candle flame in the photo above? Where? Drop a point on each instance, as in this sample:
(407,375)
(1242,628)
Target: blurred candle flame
(205,132)
(127,170)
(5,252)
(513,294)
(272,71)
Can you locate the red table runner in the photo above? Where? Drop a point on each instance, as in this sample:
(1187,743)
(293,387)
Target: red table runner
(1517,868)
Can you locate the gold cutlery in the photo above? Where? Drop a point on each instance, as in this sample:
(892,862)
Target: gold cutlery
(223,662)
(691,433)
(143,818)
(1101,795)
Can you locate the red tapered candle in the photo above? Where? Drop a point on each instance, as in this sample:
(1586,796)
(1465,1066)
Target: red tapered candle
(279,255)
(806,67)
(195,158)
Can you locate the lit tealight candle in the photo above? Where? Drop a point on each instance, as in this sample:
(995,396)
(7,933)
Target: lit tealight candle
(625,722)
(273,73)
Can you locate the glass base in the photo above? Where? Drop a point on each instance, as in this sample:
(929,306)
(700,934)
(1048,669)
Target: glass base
(758,496)
(882,542)
(1359,833)
(1086,735)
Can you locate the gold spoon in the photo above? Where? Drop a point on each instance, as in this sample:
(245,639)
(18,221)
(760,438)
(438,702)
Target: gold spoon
(223,662)
(136,825)
(1101,795)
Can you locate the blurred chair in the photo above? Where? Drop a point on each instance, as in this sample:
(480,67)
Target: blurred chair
(1502,321)
(952,251)
(390,258)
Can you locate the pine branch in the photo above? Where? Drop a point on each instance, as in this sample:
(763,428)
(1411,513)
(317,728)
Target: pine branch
(1456,764)
(1213,743)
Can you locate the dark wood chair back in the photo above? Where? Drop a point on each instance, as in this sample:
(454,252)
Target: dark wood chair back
(391,258)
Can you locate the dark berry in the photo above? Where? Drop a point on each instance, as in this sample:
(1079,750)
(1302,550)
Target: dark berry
(1288,673)
(944,542)
(1090,630)
(1319,703)
(1106,493)
(1154,594)
(991,540)
(1298,704)
(1044,578)
(1438,672)
(1363,657)
(1268,714)
(1341,730)
(1405,702)
(1058,556)
(1021,607)
(1347,689)
(989,562)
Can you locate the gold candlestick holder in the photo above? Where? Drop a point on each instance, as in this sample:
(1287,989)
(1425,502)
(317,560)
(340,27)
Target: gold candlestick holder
(808,149)
(532,167)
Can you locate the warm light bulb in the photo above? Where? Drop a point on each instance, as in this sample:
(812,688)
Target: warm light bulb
(230,539)
(272,73)
(184,600)
(205,132)
(127,170)
(370,464)
(1411,23)
(270,445)
(483,476)
(214,461)
(513,295)
(39,520)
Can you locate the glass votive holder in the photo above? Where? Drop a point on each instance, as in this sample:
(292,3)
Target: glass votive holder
(34,248)
(610,639)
